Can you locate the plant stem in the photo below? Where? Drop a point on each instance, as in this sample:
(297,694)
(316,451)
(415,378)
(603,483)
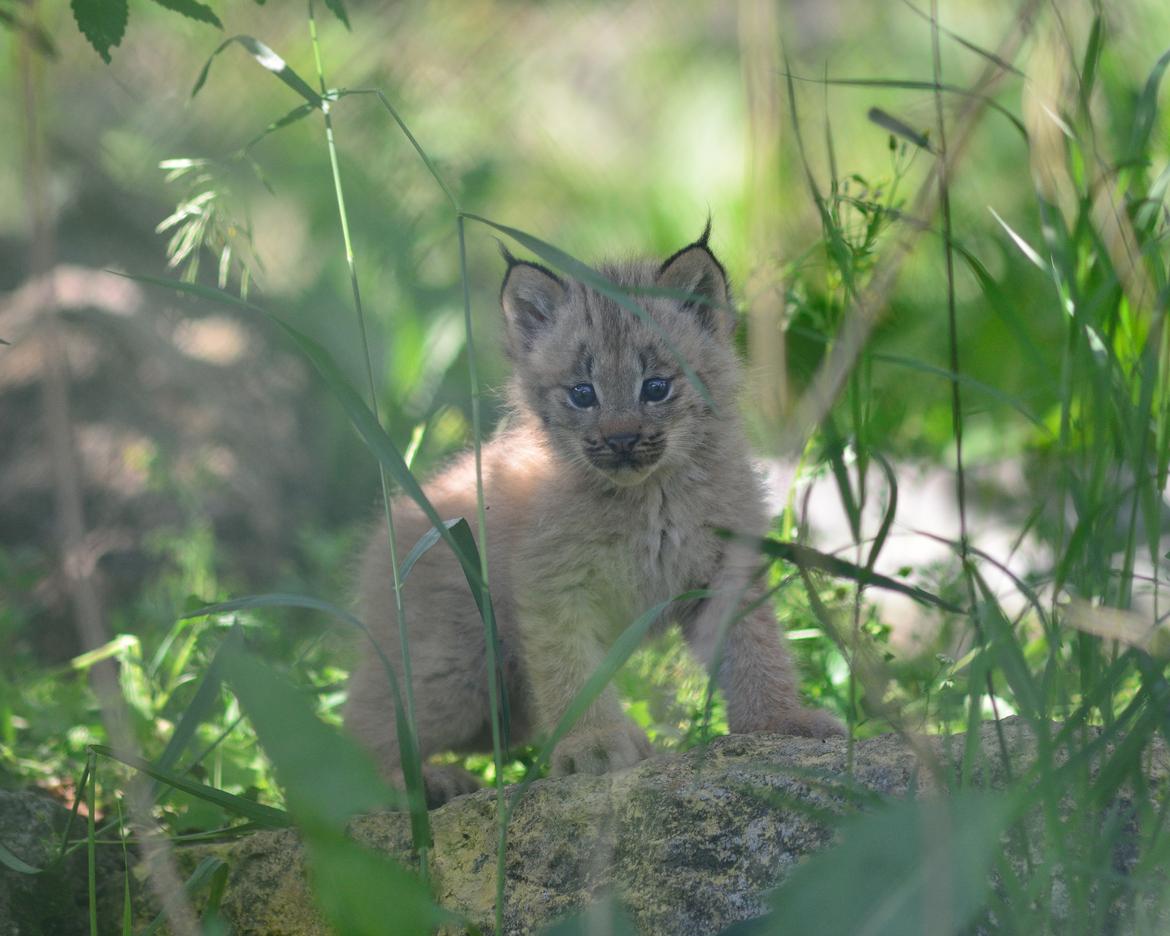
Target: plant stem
(490,641)
(422,847)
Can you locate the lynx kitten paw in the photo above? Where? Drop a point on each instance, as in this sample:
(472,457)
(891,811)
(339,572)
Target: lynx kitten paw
(598,750)
(812,723)
(443,782)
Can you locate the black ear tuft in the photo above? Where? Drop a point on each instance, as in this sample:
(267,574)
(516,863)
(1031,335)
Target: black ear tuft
(702,241)
(697,271)
(506,254)
(529,296)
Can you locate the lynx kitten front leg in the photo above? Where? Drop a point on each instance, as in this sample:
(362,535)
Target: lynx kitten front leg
(756,672)
(562,650)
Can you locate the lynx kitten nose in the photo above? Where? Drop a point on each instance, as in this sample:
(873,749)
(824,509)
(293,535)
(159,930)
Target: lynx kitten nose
(623,443)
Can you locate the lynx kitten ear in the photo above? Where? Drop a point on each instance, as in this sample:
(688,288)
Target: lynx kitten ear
(696,271)
(530,295)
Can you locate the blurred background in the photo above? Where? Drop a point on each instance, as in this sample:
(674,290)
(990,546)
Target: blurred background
(208,460)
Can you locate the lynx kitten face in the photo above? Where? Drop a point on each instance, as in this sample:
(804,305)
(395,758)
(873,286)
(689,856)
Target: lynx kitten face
(606,385)
(604,498)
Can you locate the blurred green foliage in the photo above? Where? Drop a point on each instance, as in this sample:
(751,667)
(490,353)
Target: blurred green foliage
(613,129)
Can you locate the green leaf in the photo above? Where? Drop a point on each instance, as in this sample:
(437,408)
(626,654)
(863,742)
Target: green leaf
(365,893)
(888,121)
(10,860)
(808,558)
(192,9)
(263,815)
(297,113)
(890,867)
(1147,112)
(202,703)
(266,58)
(425,542)
(327,779)
(102,22)
(1091,61)
(409,750)
(192,289)
(337,8)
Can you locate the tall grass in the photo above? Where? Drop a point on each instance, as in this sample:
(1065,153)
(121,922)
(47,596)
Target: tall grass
(1074,839)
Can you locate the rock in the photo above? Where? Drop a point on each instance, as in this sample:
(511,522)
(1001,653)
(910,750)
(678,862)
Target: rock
(56,901)
(690,843)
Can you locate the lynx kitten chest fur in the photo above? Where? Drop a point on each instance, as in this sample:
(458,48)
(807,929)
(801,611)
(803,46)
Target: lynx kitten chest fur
(603,499)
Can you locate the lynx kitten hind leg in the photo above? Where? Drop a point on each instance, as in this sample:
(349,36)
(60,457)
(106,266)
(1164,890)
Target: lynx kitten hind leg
(370,715)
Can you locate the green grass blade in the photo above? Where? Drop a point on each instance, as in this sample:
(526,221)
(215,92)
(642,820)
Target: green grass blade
(987,54)
(191,289)
(81,786)
(1024,247)
(425,542)
(460,530)
(835,453)
(297,113)
(1006,308)
(912,85)
(1145,116)
(337,8)
(1091,61)
(805,557)
(90,841)
(277,600)
(266,816)
(127,908)
(266,58)
(215,892)
(427,161)
(968,381)
(891,512)
(1006,651)
(202,704)
(888,121)
(13,862)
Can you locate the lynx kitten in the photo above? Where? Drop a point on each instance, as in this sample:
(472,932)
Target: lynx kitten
(603,499)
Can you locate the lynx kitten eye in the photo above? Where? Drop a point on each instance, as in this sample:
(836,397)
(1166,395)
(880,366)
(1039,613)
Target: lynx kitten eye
(655,390)
(583,396)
